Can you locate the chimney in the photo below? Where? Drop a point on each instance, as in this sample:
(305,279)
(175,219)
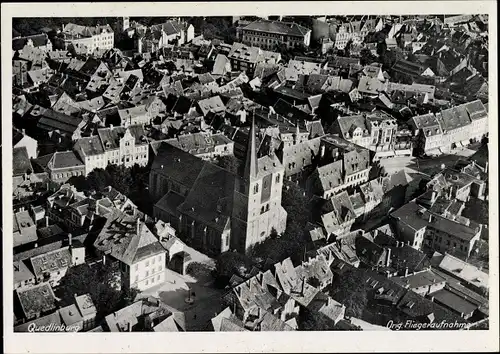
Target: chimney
(46,221)
(431,218)
(138,226)
(406,271)
(388,257)
(485,166)
(303,286)
(433,197)
(103,259)
(70,239)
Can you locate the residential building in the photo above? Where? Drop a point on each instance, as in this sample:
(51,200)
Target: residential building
(79,316)
(422,228)
(24,229)
(36,301)
(204,145)
(61,165)
(128,240)
(87,39)
(146,315)
(245,58)
(40,41)
(159,36)
(270,34)
(52,266)
(91,152)
(124,145)
(378,132)
(350,167)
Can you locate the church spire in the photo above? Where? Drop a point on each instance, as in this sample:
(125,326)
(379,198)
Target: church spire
(251,159)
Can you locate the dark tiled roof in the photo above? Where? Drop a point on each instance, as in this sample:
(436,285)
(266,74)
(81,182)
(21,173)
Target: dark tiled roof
(21,163)
(277,27)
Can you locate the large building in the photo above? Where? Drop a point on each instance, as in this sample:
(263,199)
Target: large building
(269,34)
(451,128)
(87,39)
(213,209)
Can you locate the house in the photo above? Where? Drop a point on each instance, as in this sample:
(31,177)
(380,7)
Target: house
(204,145)
(146,315)
(429,134)
(376,131)
(350,167)
(159,36)
(424,282)
(24,229)
(422,228)
(91,152)
(61,165)
(40,41)
(36,301)
(23,277)
(245,58)
(79,316)
(465,273)
(66,126)
(337,214)
(226,321)
(87,39)
(124,145)
(213,104)
(128,240)
(270,34)
(409,70)
(52,266)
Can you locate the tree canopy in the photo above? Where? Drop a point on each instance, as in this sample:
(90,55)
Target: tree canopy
(101,282)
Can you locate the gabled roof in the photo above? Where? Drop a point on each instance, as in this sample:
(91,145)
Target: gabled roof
(127,240)
(277,27)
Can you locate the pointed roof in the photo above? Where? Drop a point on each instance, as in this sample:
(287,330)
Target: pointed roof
(251,168)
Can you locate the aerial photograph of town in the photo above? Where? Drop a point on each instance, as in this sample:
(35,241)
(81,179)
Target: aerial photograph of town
(248,173)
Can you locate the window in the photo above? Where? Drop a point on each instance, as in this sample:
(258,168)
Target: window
(160,268)
(147,263)
(147,273)
(147,282)
(152,280)
(256,189)
(158,278)
(153,261)
(278,178)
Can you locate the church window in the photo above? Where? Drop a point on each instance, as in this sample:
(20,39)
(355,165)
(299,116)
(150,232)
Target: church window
(256,189)
(277,178)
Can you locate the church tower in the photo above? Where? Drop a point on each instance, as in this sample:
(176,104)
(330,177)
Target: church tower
(257,210)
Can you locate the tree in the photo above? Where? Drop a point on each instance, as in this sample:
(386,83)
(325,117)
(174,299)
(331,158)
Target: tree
(120,178)
(228,264)
(102,282)
(292,242)
(366,57)
(98,179)
(351,291)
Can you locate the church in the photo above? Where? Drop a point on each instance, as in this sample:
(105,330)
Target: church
(215,210)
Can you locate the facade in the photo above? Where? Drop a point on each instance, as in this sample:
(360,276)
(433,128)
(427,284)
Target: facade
(204,145)
(451,128)
(257,209)
(270,34)
(142,257)
(216,210)
(159,36)
(377,132)
(245,58)
(124,146)
(87,39)
(61,165)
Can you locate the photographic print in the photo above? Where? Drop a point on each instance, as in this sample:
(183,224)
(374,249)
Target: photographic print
(250,173)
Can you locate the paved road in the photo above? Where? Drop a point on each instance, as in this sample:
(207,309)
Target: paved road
(428,166)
